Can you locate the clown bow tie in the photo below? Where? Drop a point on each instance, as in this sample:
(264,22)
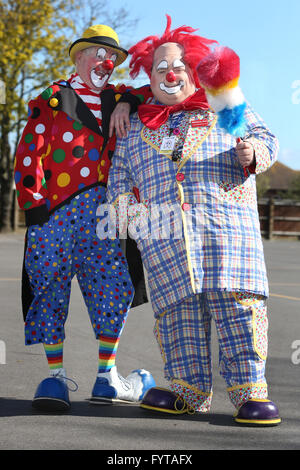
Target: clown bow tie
(155,115)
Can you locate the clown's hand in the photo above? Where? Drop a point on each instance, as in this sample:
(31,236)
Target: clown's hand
(245,153)
(119,120)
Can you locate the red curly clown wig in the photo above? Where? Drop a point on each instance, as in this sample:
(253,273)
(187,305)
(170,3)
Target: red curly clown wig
(195,49)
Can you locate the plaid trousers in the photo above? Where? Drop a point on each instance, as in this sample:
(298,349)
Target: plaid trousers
(184,336)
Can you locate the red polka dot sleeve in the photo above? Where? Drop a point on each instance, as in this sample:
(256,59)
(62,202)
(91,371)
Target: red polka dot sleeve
(30,180)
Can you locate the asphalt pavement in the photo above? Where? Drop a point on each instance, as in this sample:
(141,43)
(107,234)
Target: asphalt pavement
(117,429)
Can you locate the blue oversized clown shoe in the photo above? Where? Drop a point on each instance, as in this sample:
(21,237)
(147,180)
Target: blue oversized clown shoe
(52,394)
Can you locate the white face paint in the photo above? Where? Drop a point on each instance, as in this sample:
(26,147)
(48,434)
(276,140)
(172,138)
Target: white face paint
(98,77)
(171,89)
(101,53)
(163,65)
(178,64)
(179,85)
(98,80)
(89,66)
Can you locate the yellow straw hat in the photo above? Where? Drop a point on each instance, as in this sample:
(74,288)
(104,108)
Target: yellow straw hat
(99,35)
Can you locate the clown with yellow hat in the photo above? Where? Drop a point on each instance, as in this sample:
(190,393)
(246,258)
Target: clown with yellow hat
(61,172)
(99,35)
(96,55)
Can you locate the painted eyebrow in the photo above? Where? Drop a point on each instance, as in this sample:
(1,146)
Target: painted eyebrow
(100,51)
(162,65)
(178,63)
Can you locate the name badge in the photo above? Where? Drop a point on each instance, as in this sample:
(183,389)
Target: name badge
(168,144)
(199,123)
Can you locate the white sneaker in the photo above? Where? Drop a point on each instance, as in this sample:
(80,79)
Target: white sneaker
(110,387)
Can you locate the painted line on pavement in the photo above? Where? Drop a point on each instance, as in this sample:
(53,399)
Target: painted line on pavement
(285,297)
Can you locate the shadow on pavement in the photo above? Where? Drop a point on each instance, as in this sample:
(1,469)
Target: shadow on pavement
(13,407)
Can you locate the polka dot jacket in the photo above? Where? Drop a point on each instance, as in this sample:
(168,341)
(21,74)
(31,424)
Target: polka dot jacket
(62,151)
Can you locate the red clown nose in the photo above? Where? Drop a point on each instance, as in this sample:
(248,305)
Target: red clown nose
(108,64)
(171,77)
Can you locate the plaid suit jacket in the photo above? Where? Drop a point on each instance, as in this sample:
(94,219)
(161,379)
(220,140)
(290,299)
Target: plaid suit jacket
(211,238)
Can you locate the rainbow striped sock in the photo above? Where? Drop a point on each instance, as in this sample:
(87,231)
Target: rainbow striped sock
(108,346)
(54,353)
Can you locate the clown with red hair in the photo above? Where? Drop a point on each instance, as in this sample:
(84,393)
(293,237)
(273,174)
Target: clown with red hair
(195,47)
(193,151)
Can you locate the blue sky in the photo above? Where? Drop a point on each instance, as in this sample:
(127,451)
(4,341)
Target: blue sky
(265,34)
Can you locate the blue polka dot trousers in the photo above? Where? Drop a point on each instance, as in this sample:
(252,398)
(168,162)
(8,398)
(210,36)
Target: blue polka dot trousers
(65,246)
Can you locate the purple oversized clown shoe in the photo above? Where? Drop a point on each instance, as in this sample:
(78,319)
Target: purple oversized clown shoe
(164,400)
(258,412)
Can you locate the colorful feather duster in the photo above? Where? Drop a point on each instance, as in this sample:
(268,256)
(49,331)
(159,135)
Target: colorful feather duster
(219,74)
